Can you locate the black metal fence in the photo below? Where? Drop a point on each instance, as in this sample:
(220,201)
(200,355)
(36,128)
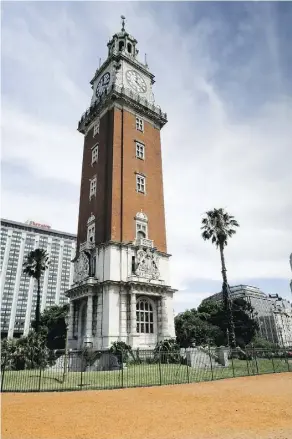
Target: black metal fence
(81,370)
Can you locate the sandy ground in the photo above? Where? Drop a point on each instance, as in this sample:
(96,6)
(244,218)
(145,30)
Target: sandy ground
(257,407)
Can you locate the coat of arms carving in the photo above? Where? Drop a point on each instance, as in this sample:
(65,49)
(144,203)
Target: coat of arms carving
(81,267)
(147,264)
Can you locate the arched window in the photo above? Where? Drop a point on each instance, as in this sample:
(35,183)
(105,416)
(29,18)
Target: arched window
(141,233)
(141,225)
(129,46)
(144,317)
(121,45)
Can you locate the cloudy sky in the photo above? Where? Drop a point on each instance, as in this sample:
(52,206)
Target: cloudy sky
(223,75)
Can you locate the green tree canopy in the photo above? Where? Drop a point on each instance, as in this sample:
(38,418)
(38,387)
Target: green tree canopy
(209,322)
(52,322)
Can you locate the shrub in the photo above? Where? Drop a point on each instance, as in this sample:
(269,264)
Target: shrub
(122,350)
(28,352)
(167,351)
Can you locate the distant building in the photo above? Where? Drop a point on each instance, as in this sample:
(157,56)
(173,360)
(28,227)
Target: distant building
(273,314)
(18,291)
(291,270)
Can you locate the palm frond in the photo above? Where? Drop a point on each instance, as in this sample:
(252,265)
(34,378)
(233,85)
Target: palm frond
(218,226)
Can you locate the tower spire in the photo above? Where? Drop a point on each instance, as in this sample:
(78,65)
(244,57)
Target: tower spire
(123,22)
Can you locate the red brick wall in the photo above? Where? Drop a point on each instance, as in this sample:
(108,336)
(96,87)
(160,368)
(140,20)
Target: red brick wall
(152,203)
(117,202)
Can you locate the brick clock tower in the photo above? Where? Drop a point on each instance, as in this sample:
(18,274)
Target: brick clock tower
(121,286)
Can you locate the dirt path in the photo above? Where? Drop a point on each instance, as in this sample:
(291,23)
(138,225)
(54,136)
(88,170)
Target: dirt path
(243,408)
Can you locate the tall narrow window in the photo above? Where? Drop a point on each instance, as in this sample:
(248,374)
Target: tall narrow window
(94,154)
(91,233)
(140,184)
(96,128)
(141,230)
(144,317)
(139,124)
(92,188)
(140,151)
(91,229)
(133,264)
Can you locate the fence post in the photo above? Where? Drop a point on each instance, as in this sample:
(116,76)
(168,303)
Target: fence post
(256,360)
(232,362)
(287,358)
(40,380)
(272,358)
(3,373)
(188,372)
(247,362)
(122,361)
(211,363)
(81,374)
(160,368)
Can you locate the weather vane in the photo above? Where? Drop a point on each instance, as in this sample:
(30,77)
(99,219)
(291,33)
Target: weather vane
(123,22)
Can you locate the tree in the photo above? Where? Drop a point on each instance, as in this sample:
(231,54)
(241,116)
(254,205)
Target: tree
(245,326)
(193,327)
(53,323)
(36,263)
(218,226)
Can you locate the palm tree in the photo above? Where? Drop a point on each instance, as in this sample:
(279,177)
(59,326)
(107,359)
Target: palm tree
(218,226)
(36,262)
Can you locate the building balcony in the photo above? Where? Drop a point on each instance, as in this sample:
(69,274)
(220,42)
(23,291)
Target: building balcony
(144,242)
(87,246)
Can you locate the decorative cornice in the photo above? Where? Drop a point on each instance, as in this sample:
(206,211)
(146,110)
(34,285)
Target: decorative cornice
(122,95)
(86,289)
(130,244)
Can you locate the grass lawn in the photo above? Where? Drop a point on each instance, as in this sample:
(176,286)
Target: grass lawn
(135,376)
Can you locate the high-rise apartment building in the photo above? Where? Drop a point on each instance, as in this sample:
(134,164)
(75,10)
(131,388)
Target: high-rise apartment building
(18,291)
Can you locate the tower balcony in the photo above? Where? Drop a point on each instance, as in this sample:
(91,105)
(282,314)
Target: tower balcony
(87,246)
(144,242)
(136,101)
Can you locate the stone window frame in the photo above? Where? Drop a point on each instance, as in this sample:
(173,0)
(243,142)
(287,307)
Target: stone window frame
(94,153)
(91,229)
(140,150)
(92,186)
(141,227)
(139,124)
(96,127)
(145,324)
(141,183)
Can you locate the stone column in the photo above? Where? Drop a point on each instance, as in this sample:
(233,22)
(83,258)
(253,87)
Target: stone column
(99,320)
(164,318)
(71,320)
(88,337)
(133,320)
(123,317)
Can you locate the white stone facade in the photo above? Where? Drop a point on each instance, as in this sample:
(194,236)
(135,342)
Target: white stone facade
(112,303)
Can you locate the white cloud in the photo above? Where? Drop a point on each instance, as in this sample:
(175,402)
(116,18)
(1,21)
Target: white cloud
(223,145)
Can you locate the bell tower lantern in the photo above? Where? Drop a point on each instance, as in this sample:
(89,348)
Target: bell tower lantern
(121,286)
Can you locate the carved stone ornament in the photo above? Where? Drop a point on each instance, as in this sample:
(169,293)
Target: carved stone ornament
(147,265)
(81,267)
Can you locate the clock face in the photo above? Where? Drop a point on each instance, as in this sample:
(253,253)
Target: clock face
(135,81)
(102,84)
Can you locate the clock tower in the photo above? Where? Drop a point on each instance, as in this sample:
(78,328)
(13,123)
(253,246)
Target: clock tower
(121,288)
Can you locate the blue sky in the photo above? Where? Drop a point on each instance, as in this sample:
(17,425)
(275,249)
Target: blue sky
(223,75)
